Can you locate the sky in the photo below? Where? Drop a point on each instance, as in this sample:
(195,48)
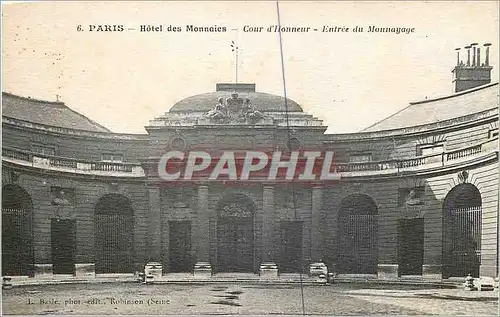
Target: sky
(350,80)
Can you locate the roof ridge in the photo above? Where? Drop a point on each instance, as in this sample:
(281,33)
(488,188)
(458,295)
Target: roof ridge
(58,104)
(461,93)
(88,119)
(381,120)
(456,94)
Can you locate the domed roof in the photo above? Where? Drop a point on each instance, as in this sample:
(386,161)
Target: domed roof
(260,101)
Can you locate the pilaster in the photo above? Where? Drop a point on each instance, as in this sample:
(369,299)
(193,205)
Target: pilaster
(202,236)
(154,243)
(316,227)
(268,220)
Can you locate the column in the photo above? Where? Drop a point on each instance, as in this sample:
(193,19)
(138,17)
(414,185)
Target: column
(203,234)
(268,211)
(203,268)
(433,243)
(317,269)
(316,220)
(154,243)
(387,243)
(268,268)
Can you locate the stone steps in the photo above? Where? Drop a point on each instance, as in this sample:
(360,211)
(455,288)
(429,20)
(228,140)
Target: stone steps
(233,278)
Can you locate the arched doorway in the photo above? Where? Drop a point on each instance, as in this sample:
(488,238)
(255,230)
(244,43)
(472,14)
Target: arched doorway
(17,233)
(358,230)
(235,234)
(462,231)
(114,235)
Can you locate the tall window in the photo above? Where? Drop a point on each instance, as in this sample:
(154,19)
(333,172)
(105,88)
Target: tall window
(430,149)
(360,158)
(43,149)
(493,133)
(110,157)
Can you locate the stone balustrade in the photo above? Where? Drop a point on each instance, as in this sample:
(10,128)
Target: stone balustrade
(419,163)
(414,164)
(116,169)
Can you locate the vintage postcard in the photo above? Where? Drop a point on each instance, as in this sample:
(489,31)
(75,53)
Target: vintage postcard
(250,158)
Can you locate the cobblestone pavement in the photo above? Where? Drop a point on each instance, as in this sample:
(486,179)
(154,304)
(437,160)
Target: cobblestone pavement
(338,299)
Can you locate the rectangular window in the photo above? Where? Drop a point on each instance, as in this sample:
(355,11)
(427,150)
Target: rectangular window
(429,149)
(493,133)
(360,158)
(115,158)
(43,149)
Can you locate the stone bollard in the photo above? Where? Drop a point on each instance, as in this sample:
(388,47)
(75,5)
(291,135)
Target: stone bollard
(7,282)
(486,284)
(268,271)
(141,277)
(318,272)
(202,270)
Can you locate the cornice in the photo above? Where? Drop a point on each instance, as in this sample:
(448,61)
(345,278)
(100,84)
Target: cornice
(66,132)
(437,127)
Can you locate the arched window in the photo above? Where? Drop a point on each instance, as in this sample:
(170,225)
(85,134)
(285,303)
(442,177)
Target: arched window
(358,230)
(462,231)
(114,235)
(17,233)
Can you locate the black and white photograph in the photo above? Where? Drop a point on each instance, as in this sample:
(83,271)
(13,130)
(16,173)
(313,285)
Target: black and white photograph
(250,158)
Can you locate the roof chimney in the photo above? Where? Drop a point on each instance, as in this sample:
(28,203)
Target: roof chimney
(475,74)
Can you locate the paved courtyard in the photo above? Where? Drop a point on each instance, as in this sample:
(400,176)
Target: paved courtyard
(337,299)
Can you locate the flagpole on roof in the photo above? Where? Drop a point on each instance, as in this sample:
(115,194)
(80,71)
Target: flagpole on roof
(235,49)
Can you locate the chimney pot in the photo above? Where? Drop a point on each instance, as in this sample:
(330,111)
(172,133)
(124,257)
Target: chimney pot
(458,56)
(473,53)
(487,60)
(468,54)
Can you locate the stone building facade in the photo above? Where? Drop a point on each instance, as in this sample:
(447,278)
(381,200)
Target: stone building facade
(415,194)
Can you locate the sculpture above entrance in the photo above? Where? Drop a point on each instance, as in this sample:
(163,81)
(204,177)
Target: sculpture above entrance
(234,109)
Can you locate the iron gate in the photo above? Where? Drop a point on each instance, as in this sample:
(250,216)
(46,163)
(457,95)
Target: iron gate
(291,247)
(235,245)
(17,242)
(63,243)
(180,246)
(410,246)
(358,244)
(114,243)
(462,242)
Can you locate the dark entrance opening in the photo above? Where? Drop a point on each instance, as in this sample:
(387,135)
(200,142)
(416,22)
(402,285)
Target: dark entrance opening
(17,233)
(462,231)
(114,235)
(411,246)
(235,234)
(291,247)
(180,246)
(63,240)
(358,230)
